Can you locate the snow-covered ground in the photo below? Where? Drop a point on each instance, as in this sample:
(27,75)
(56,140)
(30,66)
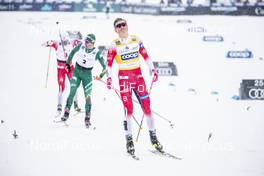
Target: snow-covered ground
(44,148)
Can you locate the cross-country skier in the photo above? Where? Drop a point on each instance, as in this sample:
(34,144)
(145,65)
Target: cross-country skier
(86,54)
(107,9)
(126,51)
(62,50)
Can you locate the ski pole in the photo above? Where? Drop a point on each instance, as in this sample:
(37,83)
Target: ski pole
(62,44)
(132,114)
(117,93)
(160,116)
(140,127)
(167,120)
(47,75)
(154,112)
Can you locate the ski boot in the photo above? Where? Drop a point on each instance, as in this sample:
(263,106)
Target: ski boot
(59,110)
(87,121)
(130,145)
(76,107)
(154,141)
(65,116)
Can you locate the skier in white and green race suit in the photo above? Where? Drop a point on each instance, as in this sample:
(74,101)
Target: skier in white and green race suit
(86,55)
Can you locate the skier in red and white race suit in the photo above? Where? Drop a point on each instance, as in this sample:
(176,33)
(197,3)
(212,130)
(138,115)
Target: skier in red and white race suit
(126,51)
(62,50)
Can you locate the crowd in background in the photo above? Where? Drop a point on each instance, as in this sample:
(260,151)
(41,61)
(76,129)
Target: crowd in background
(154,2)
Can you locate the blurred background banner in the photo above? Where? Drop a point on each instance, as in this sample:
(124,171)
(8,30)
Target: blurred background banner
(252,89)
(171,7)
(166,68)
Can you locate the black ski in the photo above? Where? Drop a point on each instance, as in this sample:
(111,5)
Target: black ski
(90,127)
(166,154)
(66,124)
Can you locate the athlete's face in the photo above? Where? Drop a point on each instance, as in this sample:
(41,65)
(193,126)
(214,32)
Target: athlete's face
(121,28)
(89,44)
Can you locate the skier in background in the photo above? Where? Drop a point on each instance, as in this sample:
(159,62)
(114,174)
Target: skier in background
(62,50)
(86,54)
(125,51)
(107,9)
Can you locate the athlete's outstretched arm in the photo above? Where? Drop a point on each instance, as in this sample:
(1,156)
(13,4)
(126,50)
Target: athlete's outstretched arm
(111,53)
(51,43)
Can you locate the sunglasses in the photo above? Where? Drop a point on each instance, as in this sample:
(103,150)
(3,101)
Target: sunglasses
(121,25)
(88,40)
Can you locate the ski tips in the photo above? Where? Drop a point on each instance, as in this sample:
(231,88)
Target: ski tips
(172,125)
(209,136)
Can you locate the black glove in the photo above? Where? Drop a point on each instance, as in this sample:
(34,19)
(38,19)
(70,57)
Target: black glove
(103,73)
(68,67)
